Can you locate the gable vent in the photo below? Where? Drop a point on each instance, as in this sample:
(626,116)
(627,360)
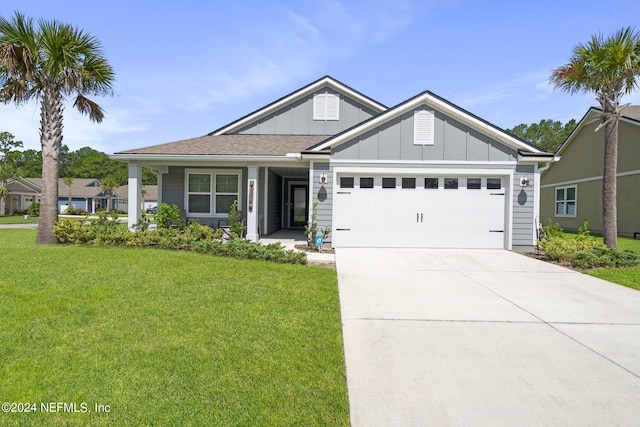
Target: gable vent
(326,106)
(423,127)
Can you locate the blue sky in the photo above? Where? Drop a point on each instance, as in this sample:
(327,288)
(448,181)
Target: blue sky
(185,68)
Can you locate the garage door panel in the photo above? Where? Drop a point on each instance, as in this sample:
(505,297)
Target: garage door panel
(439,218)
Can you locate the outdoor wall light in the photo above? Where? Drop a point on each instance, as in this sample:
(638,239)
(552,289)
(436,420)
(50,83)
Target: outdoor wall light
(323,179)
(524,181)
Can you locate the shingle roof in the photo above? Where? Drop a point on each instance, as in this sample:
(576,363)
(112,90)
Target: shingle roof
(79,187)
(632,111)
(238,145)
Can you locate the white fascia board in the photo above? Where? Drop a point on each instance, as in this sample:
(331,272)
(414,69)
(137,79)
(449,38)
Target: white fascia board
(420,171)
(537,159)
(327,81)
(423,163)
(438,105)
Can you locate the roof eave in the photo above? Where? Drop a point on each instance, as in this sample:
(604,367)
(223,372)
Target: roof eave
(142,157)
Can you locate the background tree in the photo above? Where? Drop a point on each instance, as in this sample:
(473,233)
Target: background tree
(608,67)
(548,134)
(109,185)
(49,62)
(8,168)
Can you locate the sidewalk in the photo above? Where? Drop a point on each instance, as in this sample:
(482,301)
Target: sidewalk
(291,238)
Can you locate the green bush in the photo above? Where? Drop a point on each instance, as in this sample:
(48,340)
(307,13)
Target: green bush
(194,237)
(34,209)
(583,251)
(168,216)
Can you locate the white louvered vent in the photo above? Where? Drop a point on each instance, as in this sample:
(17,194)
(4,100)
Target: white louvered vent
(326,106)
(423,127)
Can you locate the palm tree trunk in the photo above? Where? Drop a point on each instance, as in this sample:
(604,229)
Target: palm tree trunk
(51,140)
(609,184)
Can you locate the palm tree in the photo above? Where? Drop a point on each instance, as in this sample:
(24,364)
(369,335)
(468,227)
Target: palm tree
(8,169)
(109,185)
(67,182)
(609,67)
(50,62)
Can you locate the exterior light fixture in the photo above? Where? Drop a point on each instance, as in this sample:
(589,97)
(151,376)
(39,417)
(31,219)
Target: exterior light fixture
(524,181)
(323,179)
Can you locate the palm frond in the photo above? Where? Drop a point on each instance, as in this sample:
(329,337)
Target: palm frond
(87,106)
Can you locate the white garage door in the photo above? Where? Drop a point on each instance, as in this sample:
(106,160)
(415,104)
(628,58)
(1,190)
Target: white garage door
(420,211)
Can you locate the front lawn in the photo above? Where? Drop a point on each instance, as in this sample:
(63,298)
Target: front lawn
(166,338)
(17,219)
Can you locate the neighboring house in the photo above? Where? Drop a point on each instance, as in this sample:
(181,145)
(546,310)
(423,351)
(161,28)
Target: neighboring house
(424,173)
(572,188)
(86,194)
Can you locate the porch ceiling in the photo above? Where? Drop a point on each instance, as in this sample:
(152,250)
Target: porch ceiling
(291,172)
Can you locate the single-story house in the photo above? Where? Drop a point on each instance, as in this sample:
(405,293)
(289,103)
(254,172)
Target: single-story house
(86,194)
(424,173)
(571,189)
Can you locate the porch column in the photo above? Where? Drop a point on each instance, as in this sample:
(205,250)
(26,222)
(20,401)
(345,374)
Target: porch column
(252,204)
(135,186)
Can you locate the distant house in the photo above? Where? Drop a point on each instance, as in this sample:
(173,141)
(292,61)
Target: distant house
(571,189)
(86,195)
(425,173)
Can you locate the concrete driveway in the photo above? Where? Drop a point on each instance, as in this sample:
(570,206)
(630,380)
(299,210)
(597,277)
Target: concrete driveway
(485,338)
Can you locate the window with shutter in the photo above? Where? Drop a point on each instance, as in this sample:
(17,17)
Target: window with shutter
(326,106)
(423,127)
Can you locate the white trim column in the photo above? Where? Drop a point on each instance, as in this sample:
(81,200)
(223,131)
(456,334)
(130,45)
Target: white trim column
(135,186)
(252,204)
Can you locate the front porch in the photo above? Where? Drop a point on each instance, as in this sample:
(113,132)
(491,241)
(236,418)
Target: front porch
(270,197)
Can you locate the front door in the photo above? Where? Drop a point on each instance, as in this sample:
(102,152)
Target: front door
(298,206)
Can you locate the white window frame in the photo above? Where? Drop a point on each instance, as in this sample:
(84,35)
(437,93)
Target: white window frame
(213,173)
(423,124)
(565,201)
(326,106)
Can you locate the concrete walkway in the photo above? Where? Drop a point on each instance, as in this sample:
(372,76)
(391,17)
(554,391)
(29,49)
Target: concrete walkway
(485,338)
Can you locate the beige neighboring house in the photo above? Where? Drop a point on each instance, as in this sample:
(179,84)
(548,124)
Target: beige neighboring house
(571,189)
(86,194)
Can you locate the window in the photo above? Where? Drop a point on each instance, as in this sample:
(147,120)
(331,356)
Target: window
(494,184)
(431,183)
(211,192)
(326,106)
(423,127)
(451,183)
(473,183)
(566,201)
(346,182)
(226,192)
(366,182)
(199,193)
(388,183)
(408,183)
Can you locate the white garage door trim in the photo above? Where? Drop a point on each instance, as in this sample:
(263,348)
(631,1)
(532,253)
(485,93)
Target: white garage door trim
(505,174)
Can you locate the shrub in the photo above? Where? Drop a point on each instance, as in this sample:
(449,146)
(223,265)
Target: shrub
(34,209)
(168,216)
(194,237)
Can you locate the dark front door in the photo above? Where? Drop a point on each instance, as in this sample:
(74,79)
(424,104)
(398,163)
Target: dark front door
(298,206)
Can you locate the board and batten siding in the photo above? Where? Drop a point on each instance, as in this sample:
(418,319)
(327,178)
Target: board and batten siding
(452,141)
(523,225)
(297,118)
(322,194)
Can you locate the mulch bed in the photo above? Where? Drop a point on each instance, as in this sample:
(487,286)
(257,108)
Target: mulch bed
(305,248)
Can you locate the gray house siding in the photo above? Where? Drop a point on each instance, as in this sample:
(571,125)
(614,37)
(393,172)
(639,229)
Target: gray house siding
(523,208)
(274,202)
(297,118)
(322,194)
(452,141)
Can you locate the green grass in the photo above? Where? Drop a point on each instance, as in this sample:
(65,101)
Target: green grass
(17,219)
(167,338)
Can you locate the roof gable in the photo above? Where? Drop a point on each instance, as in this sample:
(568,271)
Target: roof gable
(437,103)
(630,114)
(324,82)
